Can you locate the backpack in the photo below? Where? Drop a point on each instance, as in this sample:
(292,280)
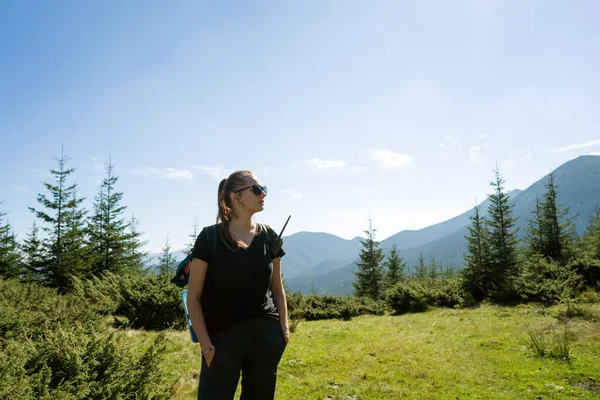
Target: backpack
(182,274)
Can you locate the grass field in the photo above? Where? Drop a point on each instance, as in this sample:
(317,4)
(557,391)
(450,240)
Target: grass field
(480,353)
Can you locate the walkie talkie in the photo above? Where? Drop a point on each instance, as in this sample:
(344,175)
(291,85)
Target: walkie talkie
(277,243)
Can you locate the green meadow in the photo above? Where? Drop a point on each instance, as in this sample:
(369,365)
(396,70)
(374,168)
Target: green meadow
(486,352)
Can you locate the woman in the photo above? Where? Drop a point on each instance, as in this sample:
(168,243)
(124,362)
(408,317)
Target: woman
(236,299)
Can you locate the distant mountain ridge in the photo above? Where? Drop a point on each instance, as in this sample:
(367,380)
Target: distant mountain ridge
(324,262)
(578,183)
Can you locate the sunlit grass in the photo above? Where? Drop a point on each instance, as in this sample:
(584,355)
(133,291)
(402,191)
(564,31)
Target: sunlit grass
(481,353)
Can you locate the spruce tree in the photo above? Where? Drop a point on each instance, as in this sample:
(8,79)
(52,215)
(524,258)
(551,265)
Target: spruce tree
(394,267)
(10,258)
(551,233)
(167,261)
(135,255)
(108,229)
(433,269)
(33,255)
(369,275)
(477,272)
(421,268)
(193,236)
(503,242)
(76,254)
(591,238)
(59,213)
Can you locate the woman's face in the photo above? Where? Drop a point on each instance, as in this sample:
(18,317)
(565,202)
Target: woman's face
(252,196)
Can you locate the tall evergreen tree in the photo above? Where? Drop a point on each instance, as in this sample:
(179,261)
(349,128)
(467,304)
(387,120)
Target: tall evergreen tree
(551,233)
(477,272)
(55,271)
(33,255)
(108,229)
(503,242)
(394,267)
(193,236)
(10,258)
(433,269)
(591,238)
(167,261)
(421,268)
(135,255)
(369,276)
(76,254)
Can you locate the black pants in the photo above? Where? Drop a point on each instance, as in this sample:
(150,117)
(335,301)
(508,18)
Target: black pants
(254,348)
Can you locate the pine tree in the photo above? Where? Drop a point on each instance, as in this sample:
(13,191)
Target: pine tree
(56,271)
(551,233)
(10,258)
(369,276)
(477,272)
(33,255)
(193,236)
(167,261)
(503,242)
(421,268)
(135,255)
(394,267)
(433,271)
(591,239)
(108,229)
(76,254)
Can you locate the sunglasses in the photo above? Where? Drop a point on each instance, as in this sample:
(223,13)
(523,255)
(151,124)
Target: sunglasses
(256,189)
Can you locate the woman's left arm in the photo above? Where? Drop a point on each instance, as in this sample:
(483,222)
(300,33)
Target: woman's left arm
(279,298)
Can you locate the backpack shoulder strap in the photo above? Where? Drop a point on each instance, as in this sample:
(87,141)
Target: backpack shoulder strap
(212,235)
(267,232)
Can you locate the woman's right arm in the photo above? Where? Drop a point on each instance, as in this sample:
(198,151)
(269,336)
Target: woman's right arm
(196,281)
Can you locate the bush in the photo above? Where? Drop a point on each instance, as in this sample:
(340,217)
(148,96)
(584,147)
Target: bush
(70,364)
(30,310)
(151,303)
(547,281)
(316,307)
(407,296)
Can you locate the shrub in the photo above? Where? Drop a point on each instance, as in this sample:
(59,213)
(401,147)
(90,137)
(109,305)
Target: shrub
(407,296)
(315,307)
(30,310)
(151,303)
(547,281)
(70,364)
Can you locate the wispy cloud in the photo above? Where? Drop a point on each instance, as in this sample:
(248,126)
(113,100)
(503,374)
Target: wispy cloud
(574,147)
(217,173)
(475,152)
(293,193)
(325,164)
(175,174)
(387,159)
(595,153)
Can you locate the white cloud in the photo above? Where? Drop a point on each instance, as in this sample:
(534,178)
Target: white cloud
(176,174)
(388,159)
(325,164)
(595,153)
(217,173)
(475,152)
(574,147)
(293,193)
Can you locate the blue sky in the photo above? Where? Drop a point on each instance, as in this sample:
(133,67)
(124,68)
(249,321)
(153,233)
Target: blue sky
(395,109)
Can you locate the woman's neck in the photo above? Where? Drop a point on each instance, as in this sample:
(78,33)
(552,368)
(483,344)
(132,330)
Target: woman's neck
(242,224)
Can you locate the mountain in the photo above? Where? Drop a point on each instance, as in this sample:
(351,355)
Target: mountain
(578,187)
(308,252)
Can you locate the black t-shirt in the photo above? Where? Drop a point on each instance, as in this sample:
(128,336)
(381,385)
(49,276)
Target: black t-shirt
(238,283)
